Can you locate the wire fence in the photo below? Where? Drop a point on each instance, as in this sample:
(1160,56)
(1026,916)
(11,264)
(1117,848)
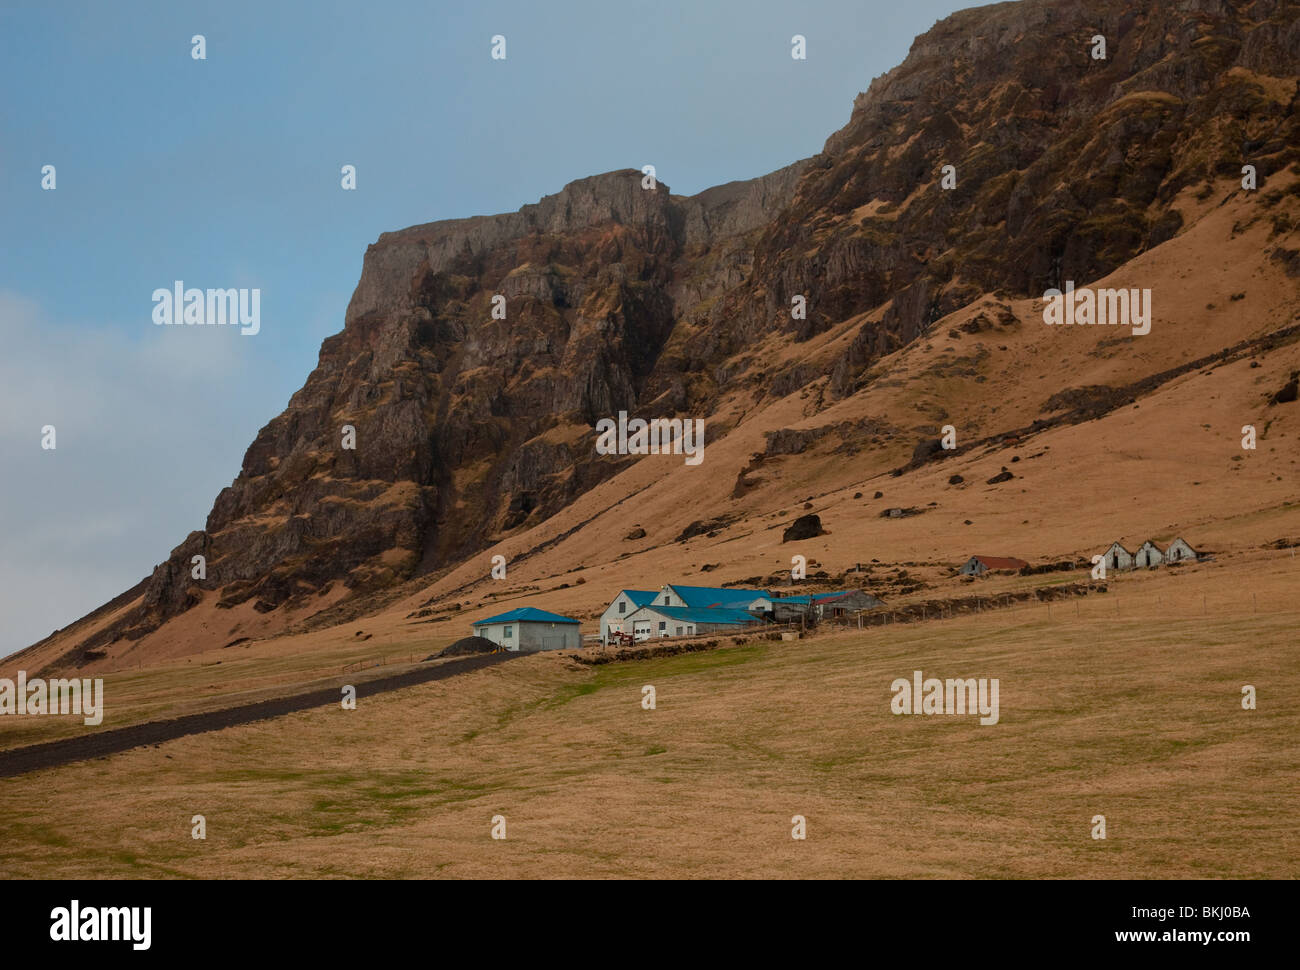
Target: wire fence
(383,661)
(1095,604)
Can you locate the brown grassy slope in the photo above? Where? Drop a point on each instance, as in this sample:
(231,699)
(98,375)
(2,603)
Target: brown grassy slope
(1135,717)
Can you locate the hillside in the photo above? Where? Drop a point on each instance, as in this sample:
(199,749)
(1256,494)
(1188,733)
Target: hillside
(1098,715)
(475,436)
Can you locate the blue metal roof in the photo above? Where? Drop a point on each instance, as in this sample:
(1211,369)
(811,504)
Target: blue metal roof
(525,614)
(639,597)
(689,614)
(716,596)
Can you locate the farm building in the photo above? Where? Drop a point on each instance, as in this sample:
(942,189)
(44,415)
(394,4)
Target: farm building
(978,565)
(627,602)
(1148,555)
(1117,557)
(840,603)
(1180,551)
(528,629)
(685,621)
(715,598)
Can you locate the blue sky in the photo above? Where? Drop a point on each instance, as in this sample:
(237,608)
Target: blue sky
(225,173)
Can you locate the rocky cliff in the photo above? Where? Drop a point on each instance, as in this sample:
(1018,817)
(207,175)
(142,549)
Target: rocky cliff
(619,297)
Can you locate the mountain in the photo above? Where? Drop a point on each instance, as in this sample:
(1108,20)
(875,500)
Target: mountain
(923,307)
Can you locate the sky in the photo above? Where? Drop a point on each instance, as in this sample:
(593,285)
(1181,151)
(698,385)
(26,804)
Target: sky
(225,172)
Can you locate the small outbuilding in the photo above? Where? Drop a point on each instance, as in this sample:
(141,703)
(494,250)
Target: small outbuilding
(528,629)
(1117,558)
(1148,556)
(1180,551)
(837,604)
(979,565)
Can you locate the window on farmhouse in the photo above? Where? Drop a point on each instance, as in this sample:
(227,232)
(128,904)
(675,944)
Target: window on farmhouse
(622,607)
(508,634)
(662,626)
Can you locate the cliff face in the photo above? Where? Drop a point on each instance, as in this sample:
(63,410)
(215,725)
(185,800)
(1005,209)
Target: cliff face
(465,425)
(1066,166)
(622,298)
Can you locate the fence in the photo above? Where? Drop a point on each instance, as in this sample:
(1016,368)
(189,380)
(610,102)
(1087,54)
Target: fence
(1097,603)
(755,629)
(380,662)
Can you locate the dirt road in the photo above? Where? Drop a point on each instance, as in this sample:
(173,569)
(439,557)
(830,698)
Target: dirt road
(17,761)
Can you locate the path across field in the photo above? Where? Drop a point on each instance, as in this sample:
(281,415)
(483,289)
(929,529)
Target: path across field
(51,754)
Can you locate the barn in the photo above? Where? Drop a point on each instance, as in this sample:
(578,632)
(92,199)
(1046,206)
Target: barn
(1117,558)
(1148,556)
(529,629)
(715,597)
(845,603)
(839,603)
(627,602)
(1180,551)
(978,565)
(685,621)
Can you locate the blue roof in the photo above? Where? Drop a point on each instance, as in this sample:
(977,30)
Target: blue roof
(701,615)
(525,614)
(716,596)
(639,597)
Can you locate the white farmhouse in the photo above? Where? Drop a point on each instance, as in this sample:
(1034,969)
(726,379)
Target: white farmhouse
(627,602)
(683,621)
(714,598)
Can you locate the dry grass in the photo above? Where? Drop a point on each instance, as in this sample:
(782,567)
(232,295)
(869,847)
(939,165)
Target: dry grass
(242,674)
(1135,716)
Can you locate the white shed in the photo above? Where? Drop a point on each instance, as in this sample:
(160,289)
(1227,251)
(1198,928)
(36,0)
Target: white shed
(528,629)
(1149,555)
(1117,558)
(1180,551)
